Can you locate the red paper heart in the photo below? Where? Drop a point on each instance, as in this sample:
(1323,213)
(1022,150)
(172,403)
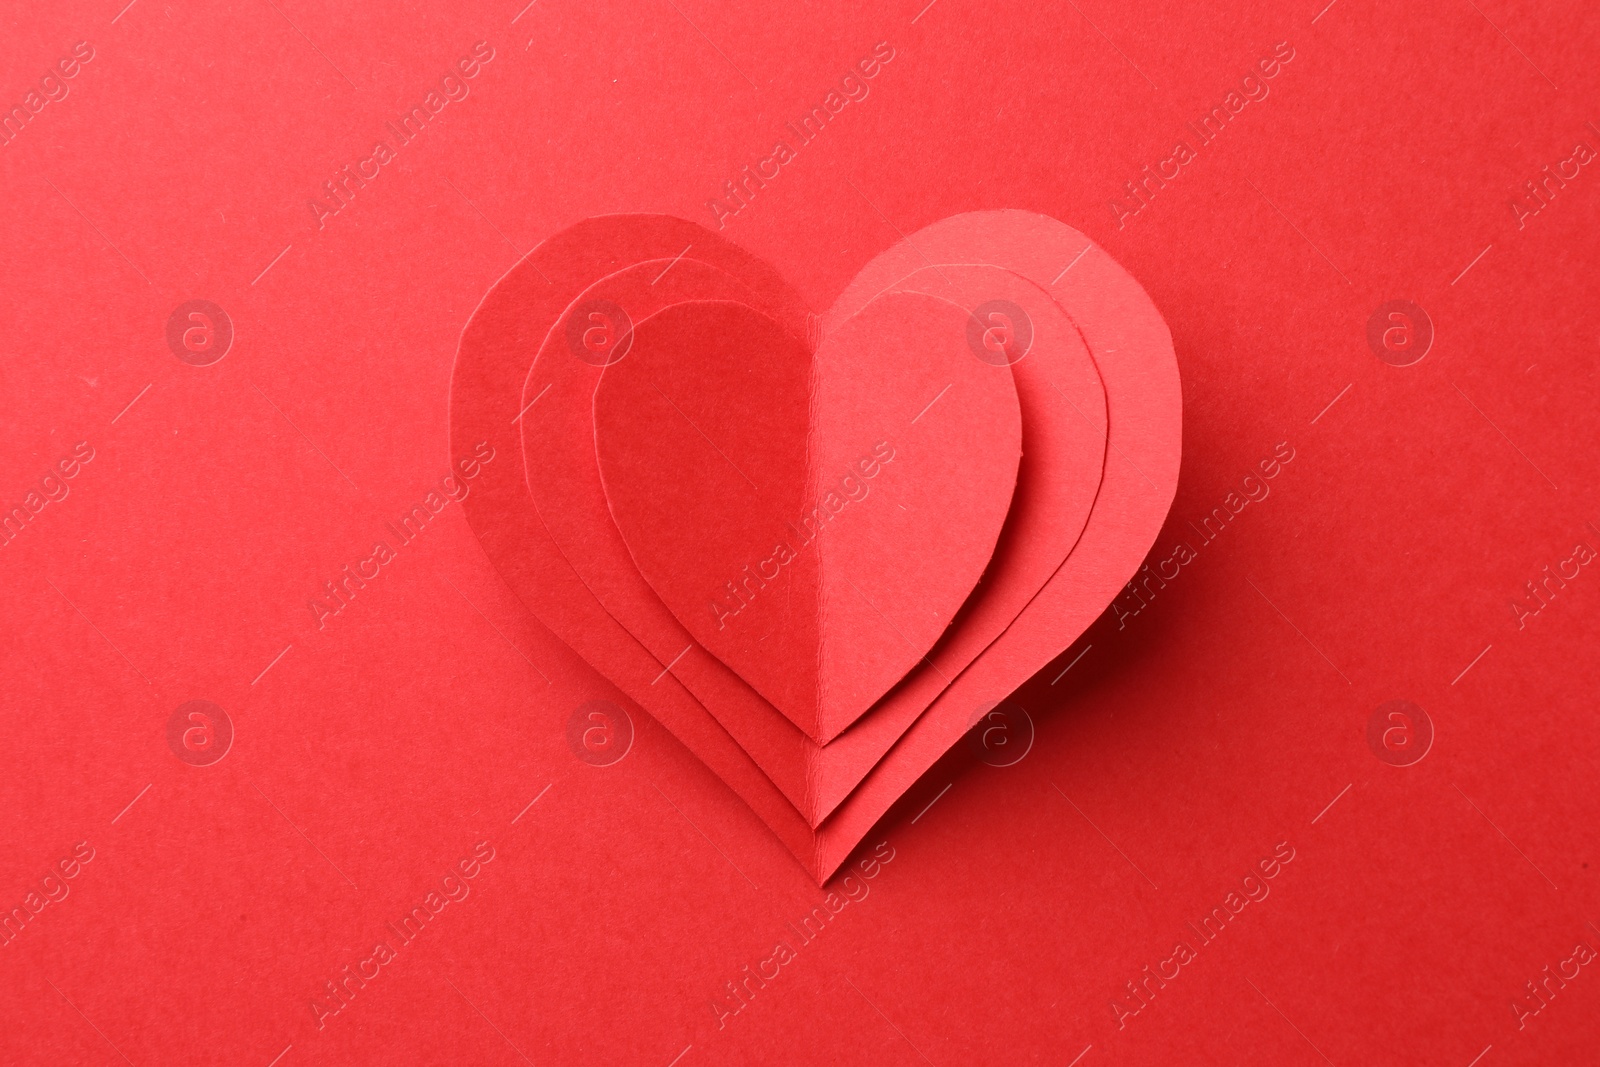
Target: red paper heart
(1060,476)
(814,520)
(1124,334)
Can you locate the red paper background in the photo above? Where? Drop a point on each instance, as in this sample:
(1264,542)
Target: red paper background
(424,717)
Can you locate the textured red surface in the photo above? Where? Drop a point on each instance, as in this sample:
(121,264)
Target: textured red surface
(1346,533)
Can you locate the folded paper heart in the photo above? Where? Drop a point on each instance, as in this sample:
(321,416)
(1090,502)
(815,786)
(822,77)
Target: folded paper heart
(813,519)
(676,407)
(565,485)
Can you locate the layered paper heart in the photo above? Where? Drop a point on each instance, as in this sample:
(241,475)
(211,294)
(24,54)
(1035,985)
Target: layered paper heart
(817,549)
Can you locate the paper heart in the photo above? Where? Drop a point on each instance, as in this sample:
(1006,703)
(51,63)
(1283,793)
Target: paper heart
(564,485)
(814,519)
(1060,475)
(1117,322)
